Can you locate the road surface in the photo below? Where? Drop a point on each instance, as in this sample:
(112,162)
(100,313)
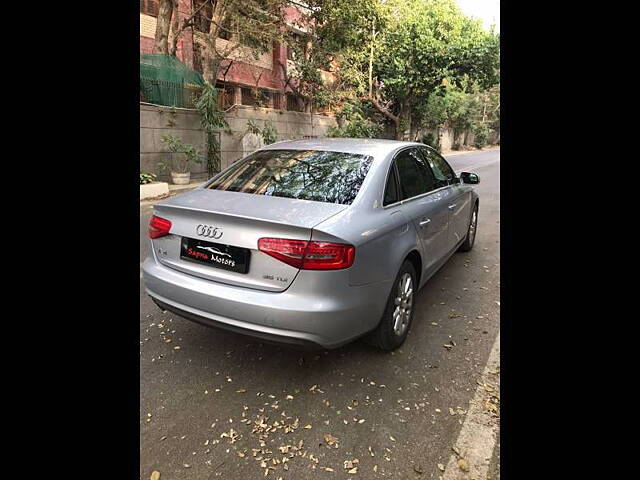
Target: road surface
(219,405)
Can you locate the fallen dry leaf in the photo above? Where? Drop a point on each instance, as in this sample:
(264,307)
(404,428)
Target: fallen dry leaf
(155,475)
(463,465)
(331,440)
(441,467)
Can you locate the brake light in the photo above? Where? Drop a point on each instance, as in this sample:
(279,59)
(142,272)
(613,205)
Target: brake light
(158,227)
(309,255)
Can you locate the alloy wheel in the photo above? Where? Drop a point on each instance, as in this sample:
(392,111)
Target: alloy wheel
(404,304)
(472,227)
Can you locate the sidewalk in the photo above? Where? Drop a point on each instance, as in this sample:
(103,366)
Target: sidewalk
(451,153)
(173,190)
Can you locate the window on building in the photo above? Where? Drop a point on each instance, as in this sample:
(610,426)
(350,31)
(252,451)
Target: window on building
(256,97)
(294,104)
(225,95)
(277,100)
(150,7)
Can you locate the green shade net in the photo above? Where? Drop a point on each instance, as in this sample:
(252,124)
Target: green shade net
(165,80)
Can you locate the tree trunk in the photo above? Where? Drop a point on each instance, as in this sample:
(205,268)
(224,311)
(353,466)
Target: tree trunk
(209,66)
(373,37)
(174,32)
(387,113)
(399,133)
(163,26)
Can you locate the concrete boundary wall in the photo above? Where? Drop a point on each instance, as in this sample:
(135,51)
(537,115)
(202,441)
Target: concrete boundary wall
(157,121)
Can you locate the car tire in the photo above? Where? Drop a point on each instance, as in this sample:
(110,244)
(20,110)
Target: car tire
(390,334)
(472,230)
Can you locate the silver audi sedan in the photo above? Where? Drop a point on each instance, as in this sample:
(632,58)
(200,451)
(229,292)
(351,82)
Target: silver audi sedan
(312,242)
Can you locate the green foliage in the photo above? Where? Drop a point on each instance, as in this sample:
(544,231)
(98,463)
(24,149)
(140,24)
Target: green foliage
(335,29)
(470,109)
(429,42)
(146,177)
(211,120)
(253,128)
(462,110)
(269,133)
(358,128)
(481,135)
(187,154)
(417,47)
(354,124)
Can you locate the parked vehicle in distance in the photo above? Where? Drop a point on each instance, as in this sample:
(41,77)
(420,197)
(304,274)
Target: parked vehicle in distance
(312,242)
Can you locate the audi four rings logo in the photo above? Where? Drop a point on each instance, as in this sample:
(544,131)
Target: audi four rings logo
(208,231)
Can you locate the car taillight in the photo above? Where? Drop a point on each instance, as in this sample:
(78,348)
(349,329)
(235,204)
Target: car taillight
(309,255)
(158,227)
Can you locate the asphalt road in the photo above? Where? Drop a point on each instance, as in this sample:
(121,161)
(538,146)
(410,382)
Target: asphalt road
(398,414)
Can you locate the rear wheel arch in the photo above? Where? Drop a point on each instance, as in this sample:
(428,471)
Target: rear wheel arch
(416,260)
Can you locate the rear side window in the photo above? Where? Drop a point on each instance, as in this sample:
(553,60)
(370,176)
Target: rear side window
(331,177)
(415,176)
(391,190)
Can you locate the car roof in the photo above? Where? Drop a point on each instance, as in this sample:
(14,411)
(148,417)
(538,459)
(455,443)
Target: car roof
(376,147)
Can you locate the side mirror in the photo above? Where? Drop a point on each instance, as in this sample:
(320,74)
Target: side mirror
(470,178)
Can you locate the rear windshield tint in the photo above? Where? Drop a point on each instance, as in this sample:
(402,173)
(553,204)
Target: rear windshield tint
(331,177)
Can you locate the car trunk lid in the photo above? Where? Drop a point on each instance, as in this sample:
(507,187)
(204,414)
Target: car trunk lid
(237,220)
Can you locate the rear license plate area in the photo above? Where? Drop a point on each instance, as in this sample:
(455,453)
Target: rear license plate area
(217,255)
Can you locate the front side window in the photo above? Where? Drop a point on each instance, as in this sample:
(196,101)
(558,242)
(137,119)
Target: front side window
(440,167)
(415,177)
(331,177)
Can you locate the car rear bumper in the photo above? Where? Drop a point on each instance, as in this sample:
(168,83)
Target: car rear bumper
(319,308)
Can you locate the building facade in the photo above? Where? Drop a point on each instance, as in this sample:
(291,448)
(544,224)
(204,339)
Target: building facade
(239,78)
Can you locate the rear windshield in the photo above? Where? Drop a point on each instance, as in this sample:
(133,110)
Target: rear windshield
(331,177)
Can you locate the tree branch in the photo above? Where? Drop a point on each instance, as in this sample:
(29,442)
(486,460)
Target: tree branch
(186,22)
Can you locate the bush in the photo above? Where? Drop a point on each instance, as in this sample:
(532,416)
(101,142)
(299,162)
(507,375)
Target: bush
(356,128)
(355,123)
(146,177)
(268,133)
(190,154)
(481,135)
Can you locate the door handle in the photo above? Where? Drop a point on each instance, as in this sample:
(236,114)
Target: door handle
(452,206)
(425,222)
